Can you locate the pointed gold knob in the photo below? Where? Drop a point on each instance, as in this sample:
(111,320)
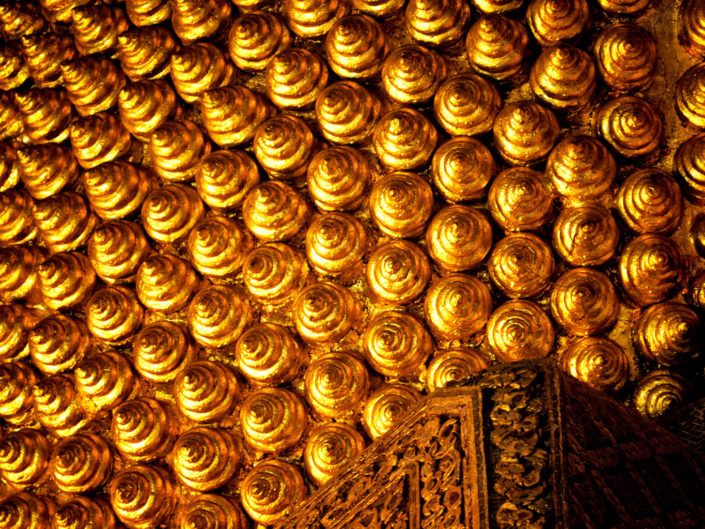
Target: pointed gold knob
(166,283)
(146,105)
(437,22)
(143,496)
(555,22)
(329,449)
(224,178)
(45,53)
(386,407)
(356,47)
(177,148)
(271,490)
(519,199)
(116,249)
(16,222)
(346,112)
(599,362)
(198,68)
(396,343)
(66,280)
(148,12)
(98,139)
(337,384)
(232,114)
(338,178)
(564,77)
(457,307)
(631,125)
(146,53)
(46,114)
(497,46)
(57,406)
(92,84)
(116,189)
(65,221)
(404,139)
(169,213)
(256,38)
(398,272)
(58,343)
(626,56)
(95,29)
(47,169)
(314,18)
(519,330)
(462,168)
(295,77)
(274,211)
(401,204)
(105,380)
(194,20)
(13,69)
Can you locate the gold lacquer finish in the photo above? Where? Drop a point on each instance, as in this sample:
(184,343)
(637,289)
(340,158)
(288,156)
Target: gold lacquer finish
(256,38)
(597,361)
(81,463)
(169,213)
(690,96)
(525,132)
(295,77)
(336,384)
(462,168)
(145,105)
(232,115)
(554,22)
(161,350)
(337,178)
(283,145)
(46,169)
(198,68)
(404,139)
(585,235)
(336,244)
(329,449)
(325,312)
(449,366)
(165,283)
(412,74)
(650,202)
(24,457)
(206,391)
(272,420)
(205,458)
(92,84)
(46,114)
(113,314)
(457,307)
(194,20)
(466,105)
(64,221)
(631,126)
(564,77)
(519,199)
(96,28)
(98,139)
(116,189)
(659,392)
(497,46)
(18,269)
(400,204)
(26,510)
(143,429)
(142,496)
(274,211)
(105,379)
(116,249)
(146,53)
(581,168)
(386,407)
(267,354)
(314,18)
(519,330)
(211,511)
(458,238)
(44,54)
(271,490)
(398,272)
(217,316)
(521,265)
(217,246)
(346,112)
(176,148)
(56,406)
(17,225)
(16,392)
(691,31)
(15,326)
(273,273)
(224,178)
(689,164)
(626,57)
(148,12)
(436,22)
(81,511)
(65,280)
(668,333)
(58,343)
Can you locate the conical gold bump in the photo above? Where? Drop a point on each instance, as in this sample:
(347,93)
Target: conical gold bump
(225,177)
(412,74)
(631,125)
(283,146)
(46,114)
(555,22)
(338,178)
(314,18)
(497,6)
(521,265)
(668,333)
(462,168)
(84,513)
(379,8)
(99,139)
(584,301)
(519,199)
(398,272)
(336,244)
(24,457)
(161,350)
(273,420)
(16,222)
(146,53)
(404,139)
(329,449)
(113,314)
(691,30)
(436,22)
(268,355)
(273,273)
(148,12)
(169,213)
(65,280)
(396,344)
(324,313)
(58,343)
(13,69)
(24,510)
(564,77)
(18,19)
(81,463)
(177,148)
(457,307)
(143,429)
(659,392)
(689,165)
(199,68)
(356,47)
(650,268)
(46,169)
(194,20)
(217,246)
(218,315)
(401,204)
(466,105)
(165,283)
(585,235)
(60,10)
(44,54)
(458,238)
(10,118)
(57,407)
(146,105)
(519,330)
(255,38)
(690,96)
(9,167)
(295,77)
(449,366)
(143,496)
(525,132)
(116,249)
(16,392)
(626,57)
(105,380)
(233,114)
(271,490)
(206,391)
(275,211)
(96,29)
(211,511)
(624,7)
(18,273)
(346,112)
(497,46)
(337,384)
(599,362)
(206,458)
(386,407)
(650,201)
(92,84)
(581,168)
(16,323)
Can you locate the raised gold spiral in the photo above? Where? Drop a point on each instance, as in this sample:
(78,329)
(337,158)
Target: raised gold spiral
(404,139)
(599,362)
(113,314)
(116,189)
(273,273)
(274,211)
(64,221)
(450,366)
(690,96)
(346,112)
(650,201)
(272,420)
(659,392)
(56,405)
(691,30)
(148,12)
(24,457)
(143,429)
(16,223)
(24,510)
(165,283)
(283,146)
(206,458)
(689,165)
(624,7)
(116,249)
(95,29)
(324,312)
(232,114)
(585,235)
(329,449)
(146,105)
(396,343)
(458,238)
(521,265)
(256,38)
(161,350)
(10,118)
(386,407)
(58,343)
(65,280)
(497,46)
(436,22)
(9,165)
(46,169)
(170,212)
(92,84)
(411,74)
(81,463)
(13,69)
(379,8)
(176,148)
(555,22)
(631,125)
(564,77)
(650,268)
(225,177)
(60,10)
(268,355)
(462,168)
(98,139)
(16,322)
(217,246)
(584,301)
(466,105)
(356,47)
(668,333)
(314,18)
(105,380)
(295,77)
(337,178)
(626,56)
(194,20)
(146,53)
(271,490)
(44,54)
(18,273)
(206,391)
(519,199)
(218,315)
(18,19)
(401,204)
(335,244)
(46,114)
(16,392)
(519,330)
(198,68)
(336,384)
(398,272)
(83,513)
(525,132)
(211,511)
(143,496)
(457,307)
